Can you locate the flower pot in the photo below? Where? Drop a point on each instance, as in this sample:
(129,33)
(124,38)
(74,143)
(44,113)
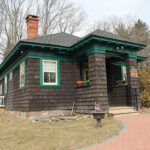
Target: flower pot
(79,83)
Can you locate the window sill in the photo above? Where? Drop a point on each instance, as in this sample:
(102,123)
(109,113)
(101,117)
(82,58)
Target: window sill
(50,86)
(82,86)
(22,87)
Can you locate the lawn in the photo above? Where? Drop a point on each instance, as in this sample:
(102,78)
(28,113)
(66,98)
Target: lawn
(21,134)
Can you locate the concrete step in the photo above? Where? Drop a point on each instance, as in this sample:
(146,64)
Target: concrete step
(122,110)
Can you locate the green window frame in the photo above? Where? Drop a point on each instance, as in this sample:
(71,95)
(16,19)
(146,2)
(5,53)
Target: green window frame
(22,73)
(49,73)
(1,88)
(6,84)
(11,76)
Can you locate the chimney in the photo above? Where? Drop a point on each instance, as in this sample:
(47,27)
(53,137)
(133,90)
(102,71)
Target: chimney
(32,26)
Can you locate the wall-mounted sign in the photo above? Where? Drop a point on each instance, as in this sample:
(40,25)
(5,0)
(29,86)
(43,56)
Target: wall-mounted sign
(134,73)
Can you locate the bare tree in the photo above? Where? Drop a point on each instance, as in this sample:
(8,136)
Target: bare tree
(119,25)
(55,16)
(59,16)
(14,13)
(71,20)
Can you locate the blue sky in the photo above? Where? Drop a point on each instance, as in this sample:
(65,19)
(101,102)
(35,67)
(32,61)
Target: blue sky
(101,9)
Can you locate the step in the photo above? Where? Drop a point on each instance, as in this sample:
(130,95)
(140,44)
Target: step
(120,107)
(122,110)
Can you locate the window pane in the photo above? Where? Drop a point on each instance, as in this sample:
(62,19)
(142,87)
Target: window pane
(50,72)
(52,77)
(46,77)
(49,66)
(22,72)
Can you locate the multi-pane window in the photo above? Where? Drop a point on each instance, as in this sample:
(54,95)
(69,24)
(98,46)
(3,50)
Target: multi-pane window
(22,74)
(50,72)
(10,76)
(5,84)
(1,89)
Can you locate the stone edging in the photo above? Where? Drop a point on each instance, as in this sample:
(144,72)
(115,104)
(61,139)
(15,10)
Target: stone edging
(125,126)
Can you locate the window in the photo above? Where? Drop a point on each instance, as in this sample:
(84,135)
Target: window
(1,89)
(10,76)
(5,84)
(124,73)
(86,74)
(50,72)
(85,71)
(22,74)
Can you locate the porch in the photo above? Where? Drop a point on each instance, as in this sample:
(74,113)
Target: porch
(113,83)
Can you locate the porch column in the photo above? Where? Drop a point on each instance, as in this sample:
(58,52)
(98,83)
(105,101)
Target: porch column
(98,80)
(132,80)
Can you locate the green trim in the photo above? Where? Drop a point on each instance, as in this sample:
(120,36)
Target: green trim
(41,74)
(45,46)
(72,48)
(14,65)
(140,58)
(100,39)
(96,51)
(22,87)
(82,86)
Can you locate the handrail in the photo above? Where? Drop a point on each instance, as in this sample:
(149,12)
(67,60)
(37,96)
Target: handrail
(133,95)
(2,101)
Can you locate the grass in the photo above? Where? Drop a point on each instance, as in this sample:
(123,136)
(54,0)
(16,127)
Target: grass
(145,110)
(21,134)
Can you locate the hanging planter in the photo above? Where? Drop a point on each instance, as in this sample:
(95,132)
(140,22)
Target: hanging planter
(79,83)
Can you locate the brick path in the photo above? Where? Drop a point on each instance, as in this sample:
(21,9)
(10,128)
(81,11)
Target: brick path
(136,137)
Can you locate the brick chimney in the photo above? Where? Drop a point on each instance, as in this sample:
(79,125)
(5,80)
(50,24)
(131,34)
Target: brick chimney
(32,26)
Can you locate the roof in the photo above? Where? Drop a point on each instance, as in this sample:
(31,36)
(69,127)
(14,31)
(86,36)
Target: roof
(68,40)
(59,39)
(109,35)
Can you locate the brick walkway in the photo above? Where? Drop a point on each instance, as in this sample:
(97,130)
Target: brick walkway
(136,137)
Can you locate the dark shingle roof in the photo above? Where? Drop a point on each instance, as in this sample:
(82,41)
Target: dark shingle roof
(59,39)
(68,40)
(104,34)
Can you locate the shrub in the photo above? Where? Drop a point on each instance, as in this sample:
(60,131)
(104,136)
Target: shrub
(144,77)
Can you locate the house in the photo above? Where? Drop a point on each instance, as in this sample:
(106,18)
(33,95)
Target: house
(40,73)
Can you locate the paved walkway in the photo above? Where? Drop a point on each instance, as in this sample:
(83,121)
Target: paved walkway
(136,137)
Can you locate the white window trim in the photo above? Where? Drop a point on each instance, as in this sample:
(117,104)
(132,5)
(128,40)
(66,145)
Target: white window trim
(124,72)
(1,88)
(10,76)
(22,64)
(5,83)
(56,83)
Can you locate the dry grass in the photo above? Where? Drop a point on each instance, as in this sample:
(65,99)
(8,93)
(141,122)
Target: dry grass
(145,110)
(20,134)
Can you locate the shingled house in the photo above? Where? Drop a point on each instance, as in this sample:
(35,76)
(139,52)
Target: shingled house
(40,73)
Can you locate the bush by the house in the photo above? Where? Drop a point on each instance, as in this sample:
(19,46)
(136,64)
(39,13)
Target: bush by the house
(144,76)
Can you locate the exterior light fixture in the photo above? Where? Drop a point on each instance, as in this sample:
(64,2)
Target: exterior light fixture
(122,47)
(117,47)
